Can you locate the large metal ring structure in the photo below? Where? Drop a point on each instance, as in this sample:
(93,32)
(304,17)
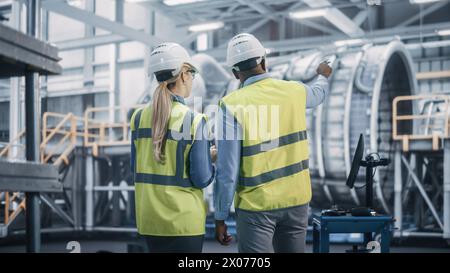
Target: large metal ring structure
(362,87)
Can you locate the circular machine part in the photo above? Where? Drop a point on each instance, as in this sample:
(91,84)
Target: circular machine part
(361,89)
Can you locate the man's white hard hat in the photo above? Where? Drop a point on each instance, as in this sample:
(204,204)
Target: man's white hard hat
(243,47)
(168,59)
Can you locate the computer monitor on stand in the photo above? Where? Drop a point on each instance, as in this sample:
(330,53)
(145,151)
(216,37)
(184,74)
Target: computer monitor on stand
(371,161)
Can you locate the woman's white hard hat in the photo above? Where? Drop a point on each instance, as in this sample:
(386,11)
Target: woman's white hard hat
(169,57)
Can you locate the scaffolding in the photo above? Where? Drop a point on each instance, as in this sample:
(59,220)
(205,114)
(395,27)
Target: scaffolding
(422,166)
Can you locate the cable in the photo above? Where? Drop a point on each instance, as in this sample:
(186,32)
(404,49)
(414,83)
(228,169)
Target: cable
(374,171)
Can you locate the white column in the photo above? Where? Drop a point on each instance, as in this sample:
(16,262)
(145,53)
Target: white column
(14,101)
(398,212)
(446,189)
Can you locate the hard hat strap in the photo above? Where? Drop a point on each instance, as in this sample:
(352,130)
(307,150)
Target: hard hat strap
(248,64)
(164,75)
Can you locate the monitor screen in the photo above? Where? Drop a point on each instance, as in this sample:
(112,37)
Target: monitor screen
(356,162)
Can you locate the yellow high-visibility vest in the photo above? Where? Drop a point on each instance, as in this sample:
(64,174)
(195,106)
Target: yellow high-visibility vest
(167,204)
(274,170)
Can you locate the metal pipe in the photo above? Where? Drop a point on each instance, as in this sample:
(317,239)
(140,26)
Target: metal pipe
(114,188)
(398,208)
(446,194)
(358,82)
(47,230)
(89,186)
(421,234)
(115,229)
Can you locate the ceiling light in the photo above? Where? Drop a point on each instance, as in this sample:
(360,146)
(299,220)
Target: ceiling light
(308,13)
(206,26)
(444,32)
(74,3)
(136,1)
(422,1)
(348,42)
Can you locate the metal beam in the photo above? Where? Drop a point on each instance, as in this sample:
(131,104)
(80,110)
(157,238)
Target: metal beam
(308,43)
(229,11)
(100,22)
(89,32)
(272,15)
(59,211)
(336,17)
(257,25)
(260,8)
(242,14)
(14,106)
(250,29)
(190,38)
(312,24)
(29,176)
(446,186)
(423,13)
(91,42)
(32,116)
(423,193)
(320,27)
(360,17)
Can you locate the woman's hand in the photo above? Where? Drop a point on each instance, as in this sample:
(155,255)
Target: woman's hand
(213,152)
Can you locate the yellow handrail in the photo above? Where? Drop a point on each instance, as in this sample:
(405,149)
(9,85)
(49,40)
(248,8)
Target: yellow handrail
(434,136)
(64,156)
(91,139)
(53,131)
(101,129)
(69,136)
(9,217)
(47,136)
(7,148)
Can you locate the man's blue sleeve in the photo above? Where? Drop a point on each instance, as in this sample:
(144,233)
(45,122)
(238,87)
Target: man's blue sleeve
(317,92)
(228,137)
(201,169)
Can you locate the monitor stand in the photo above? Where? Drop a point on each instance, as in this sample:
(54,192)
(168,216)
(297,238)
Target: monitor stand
(370,163)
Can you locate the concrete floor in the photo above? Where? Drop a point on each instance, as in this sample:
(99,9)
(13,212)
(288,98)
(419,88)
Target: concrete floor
(210,246)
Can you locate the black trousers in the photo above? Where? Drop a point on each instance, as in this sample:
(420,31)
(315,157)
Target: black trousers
(174,244)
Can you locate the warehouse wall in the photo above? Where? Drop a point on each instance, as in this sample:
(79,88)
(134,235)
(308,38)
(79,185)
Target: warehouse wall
(131,74)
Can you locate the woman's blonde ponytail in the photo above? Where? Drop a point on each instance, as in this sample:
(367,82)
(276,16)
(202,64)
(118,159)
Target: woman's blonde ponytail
(162,107)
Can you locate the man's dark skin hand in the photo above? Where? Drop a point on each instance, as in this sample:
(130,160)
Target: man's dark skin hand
(222,235)
(324,69)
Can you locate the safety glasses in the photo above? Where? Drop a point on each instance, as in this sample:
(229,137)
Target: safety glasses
(192,72)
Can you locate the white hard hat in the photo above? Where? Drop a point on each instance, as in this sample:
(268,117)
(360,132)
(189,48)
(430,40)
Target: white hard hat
(167,59)
(243,47)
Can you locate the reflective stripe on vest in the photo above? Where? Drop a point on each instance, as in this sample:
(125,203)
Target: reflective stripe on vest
(273,173)
(167,204)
